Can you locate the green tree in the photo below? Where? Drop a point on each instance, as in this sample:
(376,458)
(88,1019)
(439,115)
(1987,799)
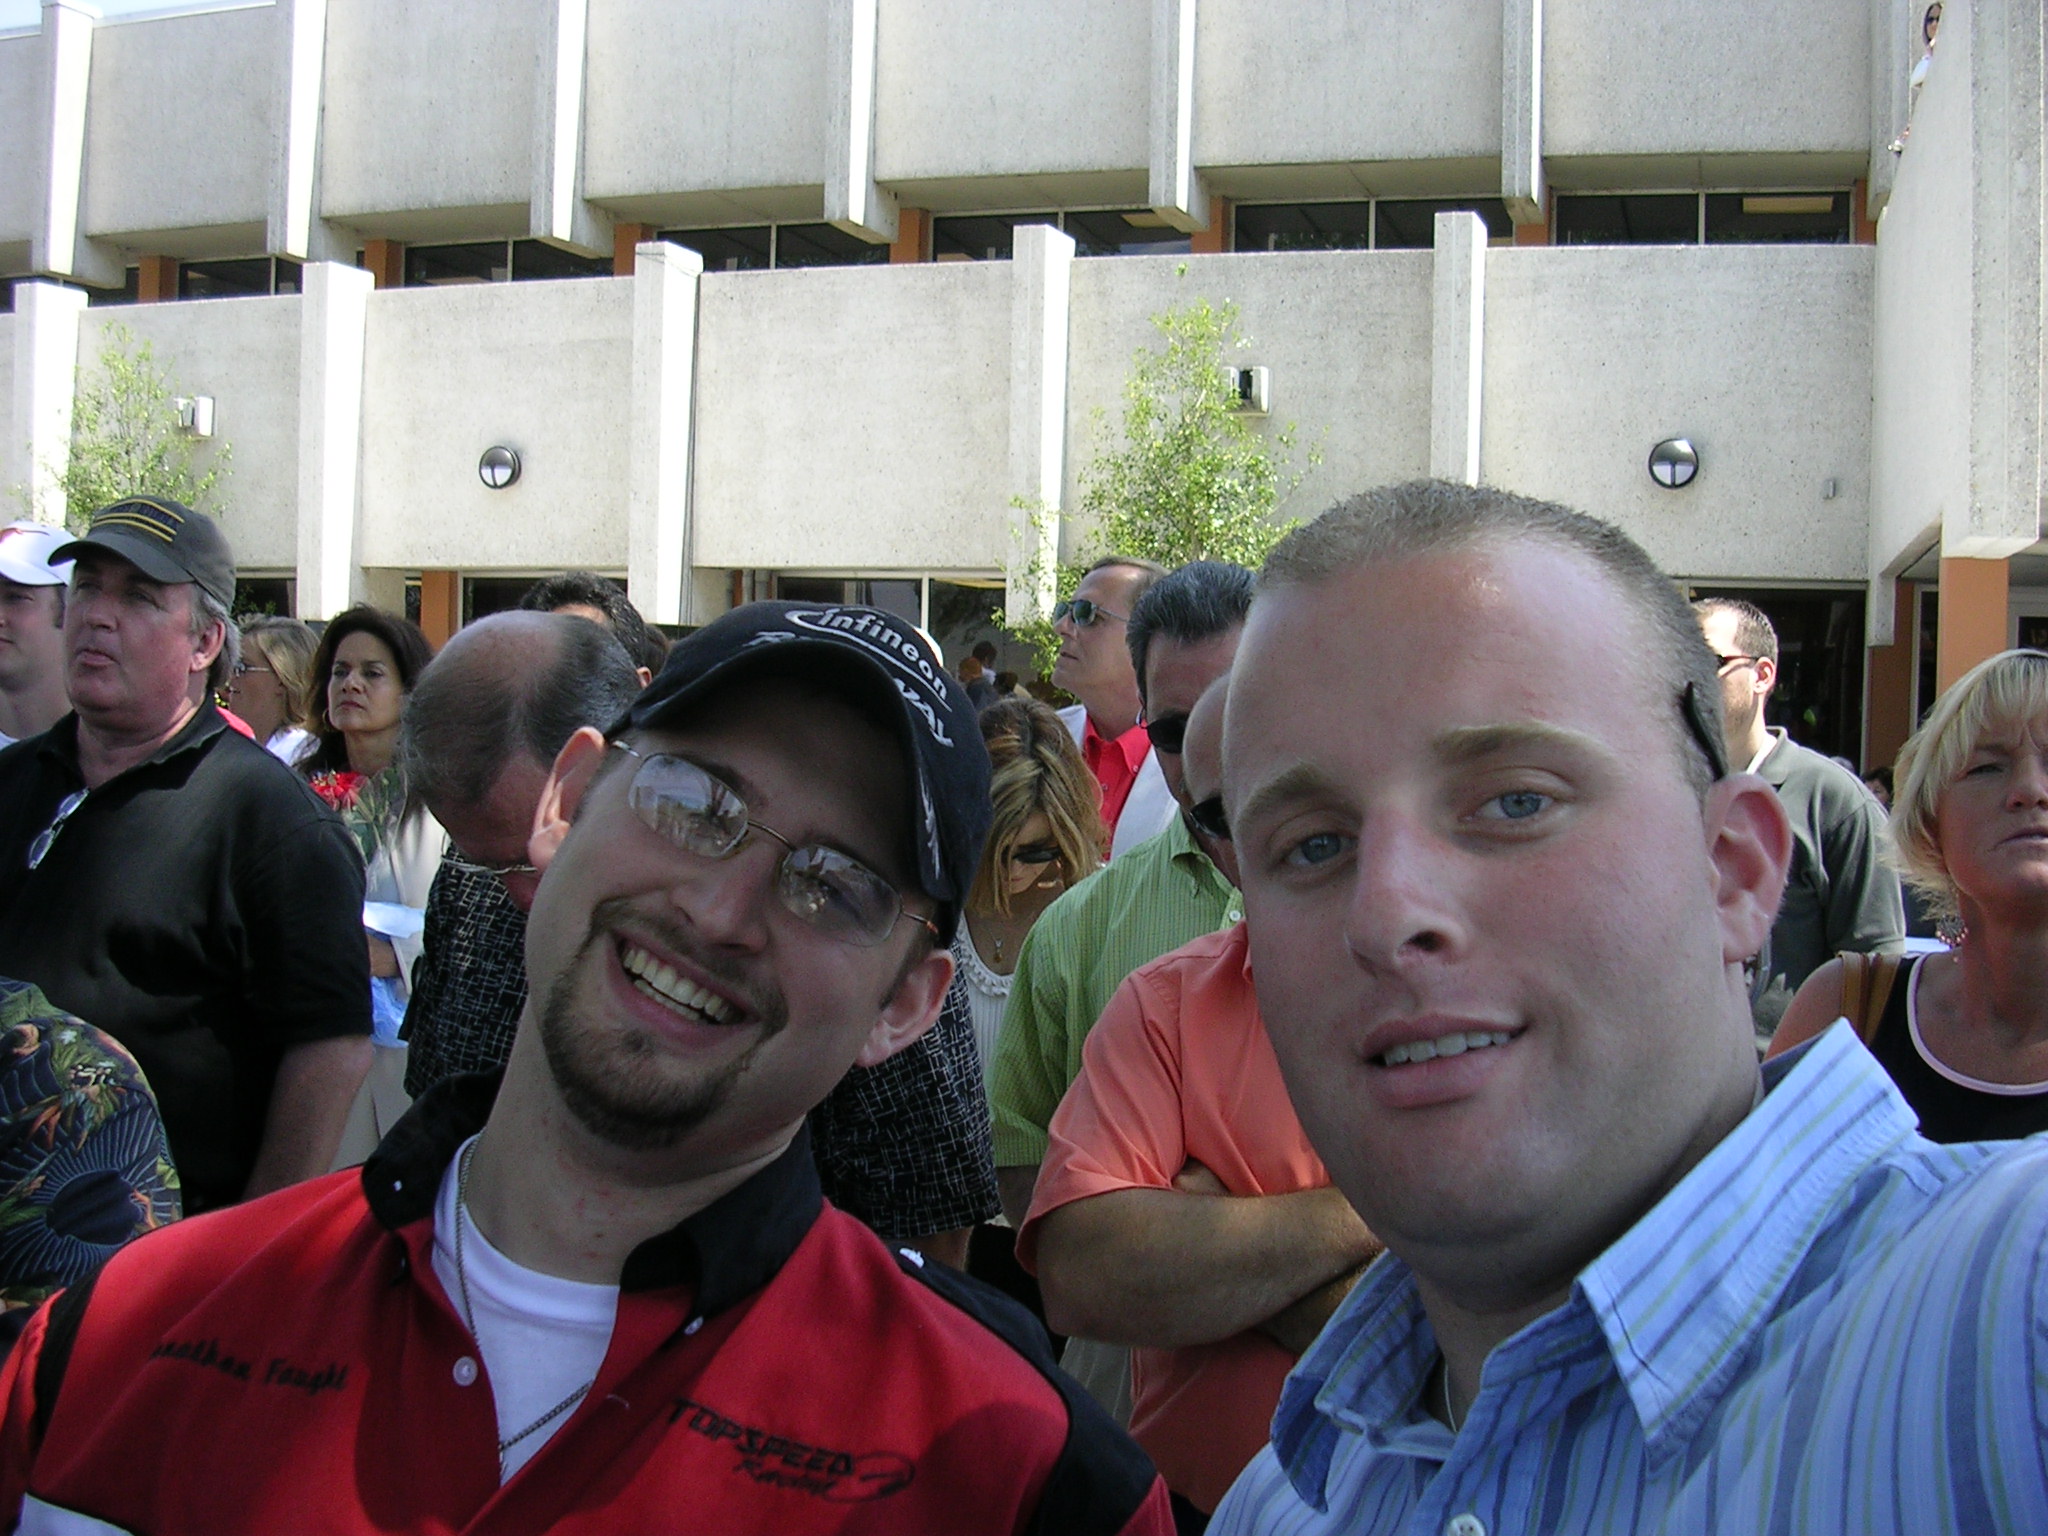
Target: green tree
(126,441)
(1192,479)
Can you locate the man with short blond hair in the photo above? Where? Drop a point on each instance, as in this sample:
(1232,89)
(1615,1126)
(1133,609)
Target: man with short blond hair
(1500,910)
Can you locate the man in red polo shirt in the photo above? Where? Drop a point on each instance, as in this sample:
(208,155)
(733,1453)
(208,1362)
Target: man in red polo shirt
(1095,666)
(604,1288)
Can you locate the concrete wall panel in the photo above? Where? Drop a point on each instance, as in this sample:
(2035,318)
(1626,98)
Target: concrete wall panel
(851,418)
(993,88)
(11,496)
(543,368)
(1333,80)
(244,353)
(429,104)
(181,127)
(21,60)
(1674,77)
(707,96)
(1346,335)
(1759,354)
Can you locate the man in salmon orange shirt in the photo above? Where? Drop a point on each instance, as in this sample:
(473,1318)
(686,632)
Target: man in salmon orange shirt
(1181,1209)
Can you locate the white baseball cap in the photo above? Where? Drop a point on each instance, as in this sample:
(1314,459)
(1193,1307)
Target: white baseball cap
(25,554)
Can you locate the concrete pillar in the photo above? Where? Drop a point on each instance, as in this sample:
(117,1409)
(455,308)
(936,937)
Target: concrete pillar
(38,445)
(156,279)
(1457,344)
(440,605)
(853,201)
(1521,111)
(913,240)
(1177,192)
(626,242)
(294,227)
(1894,49)
(57,241)
(1973,623)
(1888,681)
(665,288)
(1041,279)
(557,211)
(333,313)
(384,260)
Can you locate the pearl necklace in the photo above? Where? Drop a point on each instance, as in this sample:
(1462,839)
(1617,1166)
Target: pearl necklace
(469,1318)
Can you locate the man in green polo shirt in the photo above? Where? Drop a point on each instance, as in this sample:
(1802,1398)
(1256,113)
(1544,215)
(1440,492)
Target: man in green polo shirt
(1155,898)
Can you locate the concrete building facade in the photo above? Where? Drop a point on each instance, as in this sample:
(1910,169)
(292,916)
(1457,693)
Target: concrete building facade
(764,349)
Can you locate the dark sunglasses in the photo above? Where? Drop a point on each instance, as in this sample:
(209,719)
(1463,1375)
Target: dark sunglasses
(1168,732)
(1086,613)
(1035,853)
(1208,817)
(1696,722)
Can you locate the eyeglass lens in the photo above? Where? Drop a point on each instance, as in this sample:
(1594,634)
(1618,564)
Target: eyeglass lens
(1168,733)
(1208,817)
(1085,611)
(40,848)
(832,891)
(1036,853)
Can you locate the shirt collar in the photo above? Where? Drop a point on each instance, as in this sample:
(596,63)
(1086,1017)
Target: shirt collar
(61,740)
(727,1251)
(1677,1299)
(1682,1293)
(1133,744)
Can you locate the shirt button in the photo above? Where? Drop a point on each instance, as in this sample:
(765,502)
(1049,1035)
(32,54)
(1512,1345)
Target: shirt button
(1465,1525)
(465,1376)
(1233,917)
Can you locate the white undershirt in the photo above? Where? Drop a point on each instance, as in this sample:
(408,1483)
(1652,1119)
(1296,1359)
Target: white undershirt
(541,1337)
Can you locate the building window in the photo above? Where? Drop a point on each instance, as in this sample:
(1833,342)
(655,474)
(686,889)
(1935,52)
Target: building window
(1387,224)
(497,261)
(1717,218)
(263,597)
(957,611)
(1778,218)
(1305,227)
(1096,232)
(224,279)
(758,247)
(1630,219)
(130,291)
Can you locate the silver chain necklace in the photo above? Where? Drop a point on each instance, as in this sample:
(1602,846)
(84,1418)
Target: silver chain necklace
(469,1318)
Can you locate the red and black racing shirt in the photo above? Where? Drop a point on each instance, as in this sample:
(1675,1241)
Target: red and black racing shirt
(294,1365)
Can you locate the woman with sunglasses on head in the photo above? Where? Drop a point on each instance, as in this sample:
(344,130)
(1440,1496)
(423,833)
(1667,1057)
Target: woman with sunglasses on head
(1964,1033)
(269,689)
(367,664)
(1047,834)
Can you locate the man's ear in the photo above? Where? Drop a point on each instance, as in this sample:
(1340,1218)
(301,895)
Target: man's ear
(568,781)
(910,1009)
(1766,674)
(1749,844)
(209,644)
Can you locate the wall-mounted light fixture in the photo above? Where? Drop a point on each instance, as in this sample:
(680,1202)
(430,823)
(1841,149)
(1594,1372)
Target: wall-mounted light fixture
(1252,387)
(195,414)
(1674,463)
(499,467)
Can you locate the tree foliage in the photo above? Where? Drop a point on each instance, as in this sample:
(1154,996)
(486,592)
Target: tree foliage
(126,441)
(1193,477)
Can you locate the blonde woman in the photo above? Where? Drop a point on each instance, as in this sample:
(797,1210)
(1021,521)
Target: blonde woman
(1964,1034)
(270,686)
(1047,834)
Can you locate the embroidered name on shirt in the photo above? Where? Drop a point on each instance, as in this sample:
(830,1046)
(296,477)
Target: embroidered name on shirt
(208,1354)
(843,1477)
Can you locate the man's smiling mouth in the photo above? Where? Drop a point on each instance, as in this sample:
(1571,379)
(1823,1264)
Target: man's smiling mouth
(660,982)
(1457,1043)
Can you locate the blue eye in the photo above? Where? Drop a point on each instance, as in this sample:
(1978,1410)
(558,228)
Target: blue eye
(1317,848)
(1520,804)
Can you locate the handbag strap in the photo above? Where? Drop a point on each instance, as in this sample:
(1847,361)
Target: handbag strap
(1867,982)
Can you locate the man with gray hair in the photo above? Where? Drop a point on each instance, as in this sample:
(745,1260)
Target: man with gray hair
(1499,912)
(175,885)
(904,1146)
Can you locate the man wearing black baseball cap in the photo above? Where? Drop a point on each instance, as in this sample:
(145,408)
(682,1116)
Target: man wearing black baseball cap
(173,884)
(605,1288)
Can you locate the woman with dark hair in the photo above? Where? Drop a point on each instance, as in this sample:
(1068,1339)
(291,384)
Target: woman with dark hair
(367,664)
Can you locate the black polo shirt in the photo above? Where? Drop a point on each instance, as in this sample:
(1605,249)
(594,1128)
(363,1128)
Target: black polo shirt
(203,908)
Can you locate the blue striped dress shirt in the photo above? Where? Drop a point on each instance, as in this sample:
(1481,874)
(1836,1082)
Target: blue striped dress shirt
(1829,1325)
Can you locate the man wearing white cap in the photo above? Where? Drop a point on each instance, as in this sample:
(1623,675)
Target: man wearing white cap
(31,630)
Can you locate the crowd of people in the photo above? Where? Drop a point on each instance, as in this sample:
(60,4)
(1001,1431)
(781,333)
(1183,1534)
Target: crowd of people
(1409,1047)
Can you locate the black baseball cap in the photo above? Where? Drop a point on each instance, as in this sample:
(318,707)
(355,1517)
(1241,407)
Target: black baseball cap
(165,540)
(882,656)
